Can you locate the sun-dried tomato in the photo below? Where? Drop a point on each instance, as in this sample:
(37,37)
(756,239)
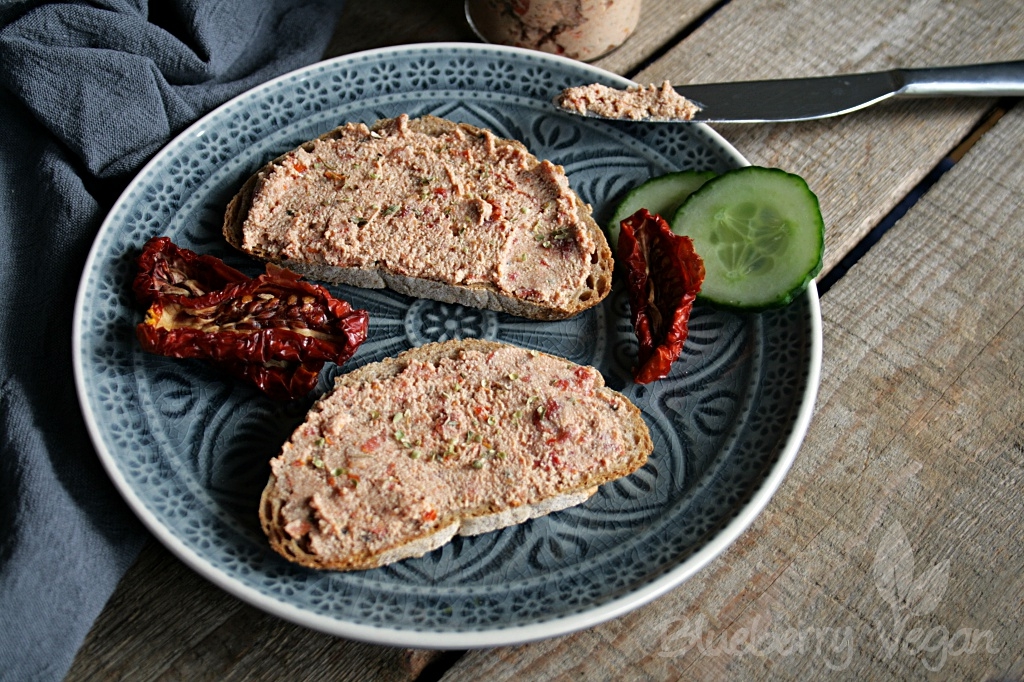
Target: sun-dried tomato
(166,270)
(664,275)
(275,331)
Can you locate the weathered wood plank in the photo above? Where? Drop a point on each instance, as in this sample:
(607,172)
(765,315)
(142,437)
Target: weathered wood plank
(917,445)
(166,622)
(146,602)
(365,26)
(368,25)
(863,164)
(660,22)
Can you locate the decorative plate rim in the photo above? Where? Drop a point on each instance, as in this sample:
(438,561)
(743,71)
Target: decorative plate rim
(485,637)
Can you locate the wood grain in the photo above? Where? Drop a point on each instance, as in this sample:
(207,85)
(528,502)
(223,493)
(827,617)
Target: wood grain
(919,431)
(661,22)
(919,419)
(365,26)
(863,164)
(167,622)
(369,25)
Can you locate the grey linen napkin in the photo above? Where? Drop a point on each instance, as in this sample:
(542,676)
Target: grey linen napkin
(88,92)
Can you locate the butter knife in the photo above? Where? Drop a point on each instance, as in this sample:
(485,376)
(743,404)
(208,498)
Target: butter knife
(804,99)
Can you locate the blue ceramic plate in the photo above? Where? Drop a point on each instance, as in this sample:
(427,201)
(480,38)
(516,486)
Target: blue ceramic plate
(189,450)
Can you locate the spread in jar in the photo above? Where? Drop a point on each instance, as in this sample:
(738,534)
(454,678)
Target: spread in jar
(579,29)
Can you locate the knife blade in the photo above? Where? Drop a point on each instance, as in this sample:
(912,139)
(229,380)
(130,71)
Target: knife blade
(804,99)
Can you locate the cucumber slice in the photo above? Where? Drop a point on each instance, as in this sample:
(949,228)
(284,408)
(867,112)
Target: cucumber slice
(760,234)
(661,195)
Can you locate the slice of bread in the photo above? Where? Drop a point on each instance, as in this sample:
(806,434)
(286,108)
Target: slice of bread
(429,208)
(460,437)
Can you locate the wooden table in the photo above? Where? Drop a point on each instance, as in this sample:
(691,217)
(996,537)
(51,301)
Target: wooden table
(914,462)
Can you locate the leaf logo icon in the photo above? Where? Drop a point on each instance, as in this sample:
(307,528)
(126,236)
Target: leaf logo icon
(894,575)
(928,589)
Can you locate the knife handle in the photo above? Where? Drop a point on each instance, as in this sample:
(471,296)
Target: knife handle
(1004,79)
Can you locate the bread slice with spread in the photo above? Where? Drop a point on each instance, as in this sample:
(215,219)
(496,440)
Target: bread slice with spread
(460,437)
(429,208)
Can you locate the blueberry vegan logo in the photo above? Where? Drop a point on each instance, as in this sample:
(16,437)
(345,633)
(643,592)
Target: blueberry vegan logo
(911,598)
(759,637)
(914,633)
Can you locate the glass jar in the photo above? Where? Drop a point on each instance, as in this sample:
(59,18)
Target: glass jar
(578,29)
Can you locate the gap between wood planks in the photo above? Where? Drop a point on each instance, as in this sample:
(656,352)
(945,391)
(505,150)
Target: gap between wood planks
(438,665)
(674,41)
(898,211)
(440,662)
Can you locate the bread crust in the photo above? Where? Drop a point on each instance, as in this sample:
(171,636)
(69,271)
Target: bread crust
(451,522)
(482,295)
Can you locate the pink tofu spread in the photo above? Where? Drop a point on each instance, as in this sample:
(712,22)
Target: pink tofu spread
(461,207)
(381,461)
(636,104)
